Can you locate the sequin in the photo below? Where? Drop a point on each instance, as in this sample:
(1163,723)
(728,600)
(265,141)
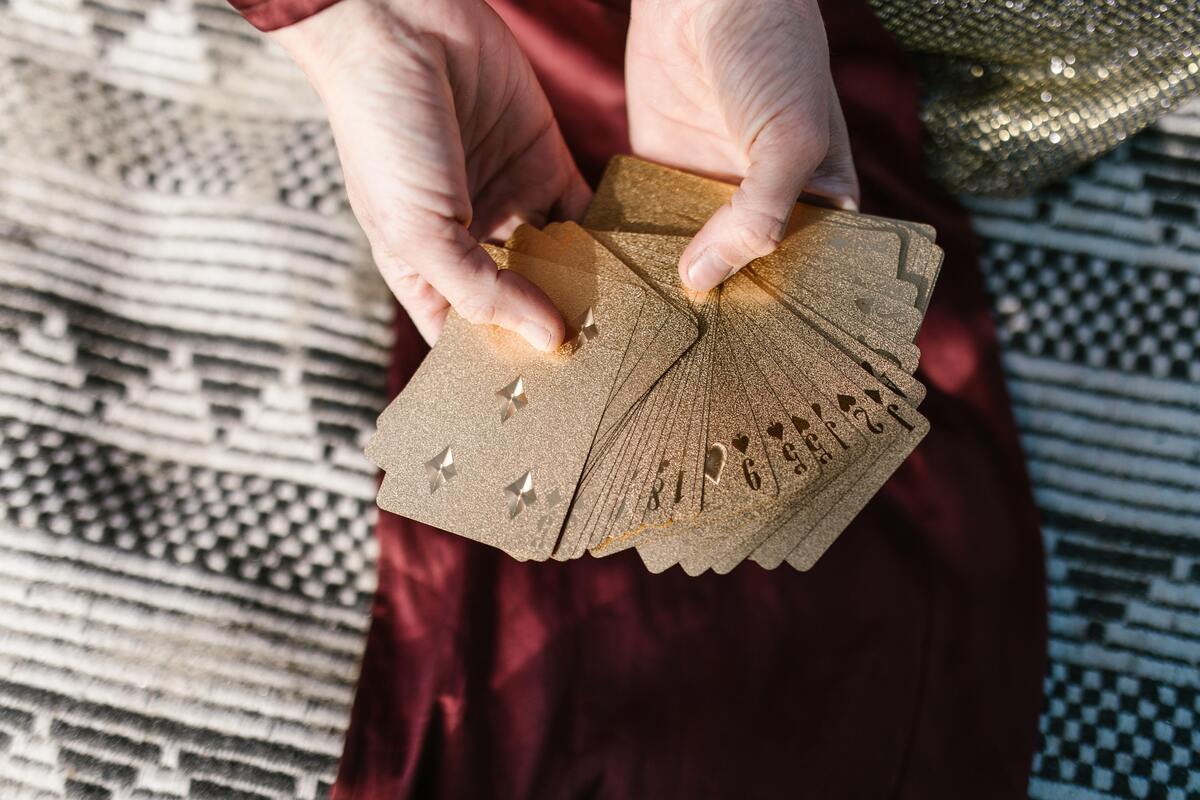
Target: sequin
(1021,93)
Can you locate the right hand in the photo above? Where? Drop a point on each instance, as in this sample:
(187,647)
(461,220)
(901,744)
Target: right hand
(445,139)
(740,90)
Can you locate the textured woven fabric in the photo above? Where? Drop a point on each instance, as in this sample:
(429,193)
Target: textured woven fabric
(1096,289)
(192,348)
(167,655)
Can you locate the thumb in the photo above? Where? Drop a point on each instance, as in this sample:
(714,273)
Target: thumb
(460,270)
(752,223)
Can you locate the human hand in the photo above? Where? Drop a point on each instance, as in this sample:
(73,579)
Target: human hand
(445,139)
(738,89)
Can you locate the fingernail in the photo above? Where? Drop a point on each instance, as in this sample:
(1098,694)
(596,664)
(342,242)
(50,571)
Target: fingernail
(708,270)
(537,335)
(847,204)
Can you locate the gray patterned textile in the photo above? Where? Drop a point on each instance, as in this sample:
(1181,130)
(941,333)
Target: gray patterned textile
(192,351)
(193,345)
(1096,290)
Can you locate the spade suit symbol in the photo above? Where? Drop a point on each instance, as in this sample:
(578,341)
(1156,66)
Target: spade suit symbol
(776,430)
(741,442)
(845,401)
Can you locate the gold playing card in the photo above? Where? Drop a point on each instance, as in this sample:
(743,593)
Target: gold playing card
(750,422)
(490,437)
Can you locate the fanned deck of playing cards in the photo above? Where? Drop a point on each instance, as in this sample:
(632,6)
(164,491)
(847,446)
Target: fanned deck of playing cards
(753,421)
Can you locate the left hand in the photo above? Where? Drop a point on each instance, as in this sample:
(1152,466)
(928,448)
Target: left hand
(738,89)
(445,139)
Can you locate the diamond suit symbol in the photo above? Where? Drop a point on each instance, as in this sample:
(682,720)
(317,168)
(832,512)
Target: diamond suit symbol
(512,398)
(520,494)
(587,328)
(440,469)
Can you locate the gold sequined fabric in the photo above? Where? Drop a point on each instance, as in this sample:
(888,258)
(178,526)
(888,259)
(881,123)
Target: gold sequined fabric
(1021,92)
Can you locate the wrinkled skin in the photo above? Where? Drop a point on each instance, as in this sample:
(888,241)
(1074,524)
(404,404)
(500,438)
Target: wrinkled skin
(738,89)
(446,139)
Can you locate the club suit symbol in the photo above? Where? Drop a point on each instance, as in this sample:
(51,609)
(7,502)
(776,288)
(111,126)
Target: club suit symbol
(440,469)
(512,398)
(520,494)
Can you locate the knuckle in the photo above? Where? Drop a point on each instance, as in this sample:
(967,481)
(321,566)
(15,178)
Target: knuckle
(809,121)
(804,140)
(759,231)
(391,236)
(389,264)
(476,309)
(406,285)
(388,241)
(475,288)
(759,240)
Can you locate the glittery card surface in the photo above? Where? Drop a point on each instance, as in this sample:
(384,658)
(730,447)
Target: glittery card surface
(753,421)
(489,438)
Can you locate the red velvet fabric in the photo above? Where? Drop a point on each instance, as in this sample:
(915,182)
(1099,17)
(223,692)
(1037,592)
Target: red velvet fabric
(906,664)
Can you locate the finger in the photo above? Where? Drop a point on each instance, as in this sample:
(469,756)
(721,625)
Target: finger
(423,304)
(574,201)
(782,159)
(462,272)
(499,209)
(498,233)
(571,205)
(836,179)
